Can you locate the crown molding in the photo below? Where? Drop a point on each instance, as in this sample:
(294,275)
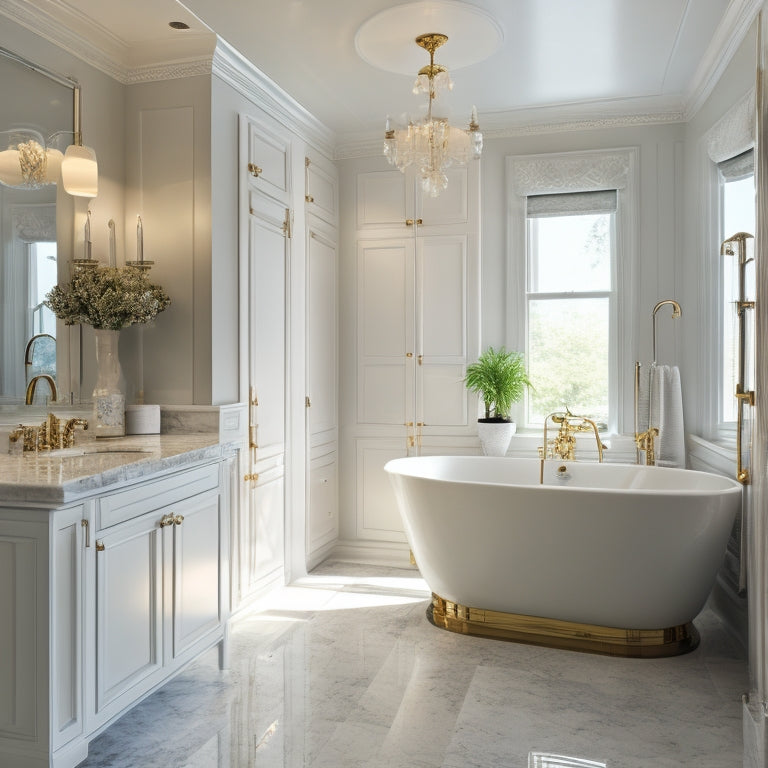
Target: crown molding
(728,37)
(77,34)
(524,123)
(238,72)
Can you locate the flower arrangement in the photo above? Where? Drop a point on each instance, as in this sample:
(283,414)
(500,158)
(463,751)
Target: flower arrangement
(107,298)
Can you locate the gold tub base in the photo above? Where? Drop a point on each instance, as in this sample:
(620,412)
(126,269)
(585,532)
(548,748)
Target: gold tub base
(569,635)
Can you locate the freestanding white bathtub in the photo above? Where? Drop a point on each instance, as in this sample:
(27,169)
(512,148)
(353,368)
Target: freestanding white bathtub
(608,558)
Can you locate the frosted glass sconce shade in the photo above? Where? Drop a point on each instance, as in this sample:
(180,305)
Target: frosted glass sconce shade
(80,171)
(25,161)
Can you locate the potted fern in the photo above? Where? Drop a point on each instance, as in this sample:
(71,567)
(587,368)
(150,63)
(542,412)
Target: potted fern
(500,379)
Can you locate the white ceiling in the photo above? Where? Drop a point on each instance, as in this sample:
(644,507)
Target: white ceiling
(558,60)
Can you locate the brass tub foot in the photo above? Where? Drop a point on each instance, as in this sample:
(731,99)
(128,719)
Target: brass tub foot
(554,633)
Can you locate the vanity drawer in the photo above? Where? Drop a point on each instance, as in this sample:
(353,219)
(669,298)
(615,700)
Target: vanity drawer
(131,502)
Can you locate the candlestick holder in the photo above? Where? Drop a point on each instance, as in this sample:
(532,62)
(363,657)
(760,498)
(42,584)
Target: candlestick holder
(142,265)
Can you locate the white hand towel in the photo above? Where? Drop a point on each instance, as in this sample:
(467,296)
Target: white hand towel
(667,415)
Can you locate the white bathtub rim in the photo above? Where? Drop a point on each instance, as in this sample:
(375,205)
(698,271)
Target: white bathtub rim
(729,485)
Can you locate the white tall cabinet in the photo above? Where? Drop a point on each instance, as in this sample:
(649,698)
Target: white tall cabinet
(322,413)
(288,262)
(416,317)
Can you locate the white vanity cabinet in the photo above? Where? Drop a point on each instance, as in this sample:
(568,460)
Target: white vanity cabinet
(103,601)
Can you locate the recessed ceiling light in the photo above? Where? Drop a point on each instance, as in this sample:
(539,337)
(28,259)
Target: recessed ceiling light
(178,25)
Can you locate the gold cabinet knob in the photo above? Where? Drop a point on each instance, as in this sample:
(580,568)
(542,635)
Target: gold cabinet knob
(178,519)
(166,520)
(254,170)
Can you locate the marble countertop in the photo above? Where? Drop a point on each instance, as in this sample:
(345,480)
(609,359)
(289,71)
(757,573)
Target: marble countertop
(93,465)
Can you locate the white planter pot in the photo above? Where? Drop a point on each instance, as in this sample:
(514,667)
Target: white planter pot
(495,436)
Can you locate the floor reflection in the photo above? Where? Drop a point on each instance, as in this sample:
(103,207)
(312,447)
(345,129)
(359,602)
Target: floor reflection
(342,670)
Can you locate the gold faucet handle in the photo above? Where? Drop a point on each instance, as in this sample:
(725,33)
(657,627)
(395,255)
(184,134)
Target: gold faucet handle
(68,433)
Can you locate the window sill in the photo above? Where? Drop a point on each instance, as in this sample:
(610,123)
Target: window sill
(708,456)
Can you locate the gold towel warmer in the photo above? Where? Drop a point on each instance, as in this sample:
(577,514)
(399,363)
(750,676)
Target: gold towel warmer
(736,245)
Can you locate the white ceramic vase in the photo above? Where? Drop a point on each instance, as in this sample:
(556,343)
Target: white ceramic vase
(495,436)
(108,398)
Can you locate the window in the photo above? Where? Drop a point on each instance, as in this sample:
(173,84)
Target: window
(570,303)
(42,277)
(737,214)
(572,282)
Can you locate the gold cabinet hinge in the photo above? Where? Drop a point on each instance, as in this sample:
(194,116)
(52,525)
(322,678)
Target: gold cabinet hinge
(84,524)
(307,402)
(287,224)
(309,199)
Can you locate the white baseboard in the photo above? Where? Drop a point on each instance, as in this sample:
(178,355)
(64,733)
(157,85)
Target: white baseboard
(395,554)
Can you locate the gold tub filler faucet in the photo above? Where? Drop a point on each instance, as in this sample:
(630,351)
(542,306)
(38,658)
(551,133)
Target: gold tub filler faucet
(563,444)
(53,433)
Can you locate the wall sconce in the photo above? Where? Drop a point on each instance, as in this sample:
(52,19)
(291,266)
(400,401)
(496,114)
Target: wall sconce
(79,169)
(28,162)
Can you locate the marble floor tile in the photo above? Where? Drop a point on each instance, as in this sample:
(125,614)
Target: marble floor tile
(343,670)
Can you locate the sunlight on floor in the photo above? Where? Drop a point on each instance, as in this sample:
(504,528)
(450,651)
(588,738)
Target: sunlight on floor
(332,592)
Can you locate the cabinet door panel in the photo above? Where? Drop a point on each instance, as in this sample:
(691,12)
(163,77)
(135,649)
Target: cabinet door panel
(442,286)
(196,551)
(321,333)
(378,513)
(266,528)
(22,602)
(385,331)
(323,502)
(451,207)
(381,199)
(268,254)
(129,610)
(271,154)
(322,189)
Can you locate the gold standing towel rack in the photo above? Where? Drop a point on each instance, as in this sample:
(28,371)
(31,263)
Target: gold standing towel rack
(737,246)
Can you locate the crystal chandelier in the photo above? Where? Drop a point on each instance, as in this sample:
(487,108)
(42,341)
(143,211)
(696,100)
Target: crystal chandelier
(432,144)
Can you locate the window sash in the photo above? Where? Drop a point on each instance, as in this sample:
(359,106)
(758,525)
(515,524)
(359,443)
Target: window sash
(608,294)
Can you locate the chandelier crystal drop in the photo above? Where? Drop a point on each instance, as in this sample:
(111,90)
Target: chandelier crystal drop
(432,144)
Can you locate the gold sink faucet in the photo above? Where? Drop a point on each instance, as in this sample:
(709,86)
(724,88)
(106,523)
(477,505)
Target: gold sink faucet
(53,433)
(32,386)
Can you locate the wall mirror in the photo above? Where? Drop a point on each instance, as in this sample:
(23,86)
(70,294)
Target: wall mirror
(35,238)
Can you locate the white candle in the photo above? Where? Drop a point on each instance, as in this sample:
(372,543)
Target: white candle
(88,235)
(139,240)
(112,246)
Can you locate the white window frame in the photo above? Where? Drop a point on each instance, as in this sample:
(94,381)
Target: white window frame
(580,172)
(725,430)
(730,136)
(609,293)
